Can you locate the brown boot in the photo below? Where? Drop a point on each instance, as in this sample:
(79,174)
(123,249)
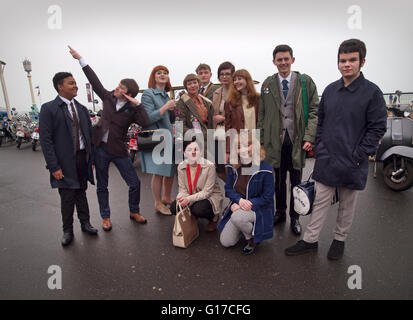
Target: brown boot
(137,218)
(106,225)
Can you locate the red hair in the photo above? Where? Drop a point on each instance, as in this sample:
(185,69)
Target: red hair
(152,83)
(234,96)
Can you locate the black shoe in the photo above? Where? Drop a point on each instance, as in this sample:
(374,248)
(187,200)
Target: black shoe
(296,227)
(67,238)
(336,250)
(88,228)
(249,248)
(279,217)
(301,247)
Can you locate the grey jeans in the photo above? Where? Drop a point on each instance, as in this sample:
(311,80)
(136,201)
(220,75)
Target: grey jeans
(241,222)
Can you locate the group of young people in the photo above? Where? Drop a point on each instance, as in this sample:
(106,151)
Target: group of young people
(342,129)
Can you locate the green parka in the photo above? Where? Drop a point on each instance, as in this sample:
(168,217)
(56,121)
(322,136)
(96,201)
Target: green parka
(271,125)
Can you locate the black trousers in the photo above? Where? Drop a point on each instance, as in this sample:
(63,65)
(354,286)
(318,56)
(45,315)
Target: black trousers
(200,209)
(69,198)
(281,178)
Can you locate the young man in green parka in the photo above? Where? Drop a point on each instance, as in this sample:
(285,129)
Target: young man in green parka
(287,129)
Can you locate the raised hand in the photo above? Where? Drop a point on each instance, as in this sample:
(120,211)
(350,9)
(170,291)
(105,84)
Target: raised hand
(133,100)
(74,53)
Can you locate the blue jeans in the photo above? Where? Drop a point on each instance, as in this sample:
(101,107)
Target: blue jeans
(128,173)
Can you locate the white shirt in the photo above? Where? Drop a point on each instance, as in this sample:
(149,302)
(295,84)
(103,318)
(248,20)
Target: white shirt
(82,144)
(205,87)
(288,79)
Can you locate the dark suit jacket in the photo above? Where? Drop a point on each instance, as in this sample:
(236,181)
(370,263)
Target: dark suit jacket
(117,122)
(55,128)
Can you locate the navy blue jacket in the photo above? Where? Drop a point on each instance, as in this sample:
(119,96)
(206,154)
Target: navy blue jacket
(351,121)
(260,191)
(56,139)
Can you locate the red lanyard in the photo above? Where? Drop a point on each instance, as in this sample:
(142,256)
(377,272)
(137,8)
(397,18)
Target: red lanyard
(188,175)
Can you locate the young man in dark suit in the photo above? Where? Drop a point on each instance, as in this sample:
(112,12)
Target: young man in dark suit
(120,109)
(65,136)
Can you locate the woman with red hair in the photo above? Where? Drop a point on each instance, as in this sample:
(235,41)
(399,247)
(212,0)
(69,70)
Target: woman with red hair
(241,108)
(157,105)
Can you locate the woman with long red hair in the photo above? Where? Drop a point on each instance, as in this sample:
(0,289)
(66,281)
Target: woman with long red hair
(157,105)
(241,107)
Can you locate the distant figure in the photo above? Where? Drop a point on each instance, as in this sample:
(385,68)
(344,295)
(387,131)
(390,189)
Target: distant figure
(391,99)
(398,93)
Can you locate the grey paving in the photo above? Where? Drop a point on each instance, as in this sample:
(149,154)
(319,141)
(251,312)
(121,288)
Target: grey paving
(139,261)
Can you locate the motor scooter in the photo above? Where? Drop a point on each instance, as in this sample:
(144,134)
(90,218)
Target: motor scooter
(395,153)
(35,137)
(133,141)
(23,134)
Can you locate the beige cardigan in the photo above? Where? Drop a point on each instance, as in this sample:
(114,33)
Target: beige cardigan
(207,186)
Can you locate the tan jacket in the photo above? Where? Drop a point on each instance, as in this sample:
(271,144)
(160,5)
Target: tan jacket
(207,186)
(216,102)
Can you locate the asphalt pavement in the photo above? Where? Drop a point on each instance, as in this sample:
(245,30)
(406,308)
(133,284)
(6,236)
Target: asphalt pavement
(139,261)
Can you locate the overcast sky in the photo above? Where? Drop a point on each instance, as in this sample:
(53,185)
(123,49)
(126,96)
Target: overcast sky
(126,38)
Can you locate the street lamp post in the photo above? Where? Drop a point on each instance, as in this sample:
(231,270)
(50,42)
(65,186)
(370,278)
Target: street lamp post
(28,68)
(3,85)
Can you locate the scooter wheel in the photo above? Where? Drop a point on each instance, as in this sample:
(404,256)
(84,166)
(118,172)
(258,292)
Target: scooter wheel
(399,183)
(18,143)
(34,145)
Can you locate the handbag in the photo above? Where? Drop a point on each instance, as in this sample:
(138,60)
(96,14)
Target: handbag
(185,227)
(145,142)
(304,195)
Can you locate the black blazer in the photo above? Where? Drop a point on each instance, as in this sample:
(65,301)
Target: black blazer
(55,129)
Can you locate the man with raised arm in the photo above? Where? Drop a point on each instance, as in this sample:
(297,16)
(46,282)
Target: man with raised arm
(120,109)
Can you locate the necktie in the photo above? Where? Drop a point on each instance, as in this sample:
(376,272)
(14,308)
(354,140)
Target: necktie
(76,121)
(201,91)
(285,88)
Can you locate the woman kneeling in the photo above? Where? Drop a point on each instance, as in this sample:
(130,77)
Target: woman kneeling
(250,187)
(198,186)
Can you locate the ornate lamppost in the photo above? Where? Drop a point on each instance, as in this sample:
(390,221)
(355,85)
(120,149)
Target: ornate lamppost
(3,85)
(28,68)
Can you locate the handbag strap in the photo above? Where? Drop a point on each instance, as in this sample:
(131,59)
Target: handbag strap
(188,175)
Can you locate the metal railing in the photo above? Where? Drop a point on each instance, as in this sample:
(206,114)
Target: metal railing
(399,99)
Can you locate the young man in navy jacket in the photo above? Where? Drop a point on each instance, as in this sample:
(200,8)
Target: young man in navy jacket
(351,121)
